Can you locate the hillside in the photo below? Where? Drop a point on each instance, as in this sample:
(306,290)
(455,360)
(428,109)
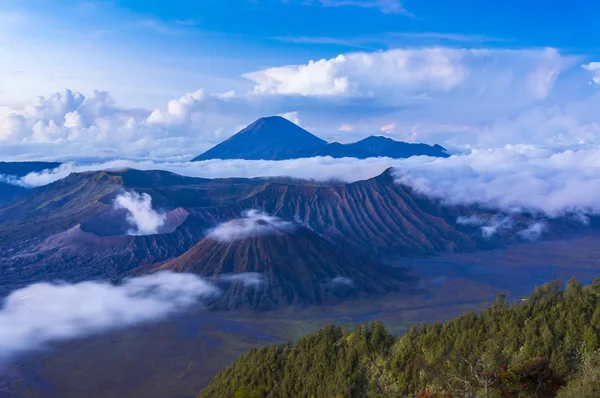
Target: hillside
(297,267)
(544,346)
(72,229)
(276,138)
(10,192)
(377,217)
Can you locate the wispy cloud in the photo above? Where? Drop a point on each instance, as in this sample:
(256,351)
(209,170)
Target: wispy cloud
(534,231)
(385,6)
(451,37)
(342,280)
(252,223)
(388,128)
(594,69)
(43,313)
(357,43)
(178,27)
(250,279)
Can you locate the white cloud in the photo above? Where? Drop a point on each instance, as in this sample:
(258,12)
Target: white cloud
(178,110)
(410,73)
(70,123)
(291,116)
(387,128)
(594,69)
(317,168)
(495,225)
(342,280)
(251,279)
(252,223)
(513,177)
(474,220)
(489,225)
(10,179)
(552,126)
(534,231)
(361,74)
(385,6)
(140,213)
(42,313)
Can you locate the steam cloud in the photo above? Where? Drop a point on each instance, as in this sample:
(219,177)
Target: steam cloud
(253,223)
(140,213)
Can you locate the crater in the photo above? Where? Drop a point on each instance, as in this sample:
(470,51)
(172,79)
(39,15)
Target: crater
(114,223)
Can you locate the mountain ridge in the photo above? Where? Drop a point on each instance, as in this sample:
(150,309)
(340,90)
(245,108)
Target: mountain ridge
(47,234)
(276,138)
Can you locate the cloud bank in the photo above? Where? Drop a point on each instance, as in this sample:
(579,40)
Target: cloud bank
(511,178)
(43,313)
(252,223)
(408,73)
(140,214)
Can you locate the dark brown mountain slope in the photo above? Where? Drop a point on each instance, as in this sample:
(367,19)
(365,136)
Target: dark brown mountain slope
(60,230)
(298,267)
(373,216)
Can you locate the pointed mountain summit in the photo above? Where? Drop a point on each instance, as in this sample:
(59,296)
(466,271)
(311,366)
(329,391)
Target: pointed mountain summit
(265,139)
(276,138)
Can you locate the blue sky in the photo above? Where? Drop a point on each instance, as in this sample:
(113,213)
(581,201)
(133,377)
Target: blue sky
(473,65)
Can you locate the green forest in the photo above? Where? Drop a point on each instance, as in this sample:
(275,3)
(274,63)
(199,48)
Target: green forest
(546,345)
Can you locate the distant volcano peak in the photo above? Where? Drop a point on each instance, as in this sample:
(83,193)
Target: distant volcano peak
(277,138)
(265,139)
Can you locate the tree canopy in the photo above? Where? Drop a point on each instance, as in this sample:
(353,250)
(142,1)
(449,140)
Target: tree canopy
(544,346)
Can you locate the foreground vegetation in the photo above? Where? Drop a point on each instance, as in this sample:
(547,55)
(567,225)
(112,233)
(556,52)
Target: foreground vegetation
(544,346)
